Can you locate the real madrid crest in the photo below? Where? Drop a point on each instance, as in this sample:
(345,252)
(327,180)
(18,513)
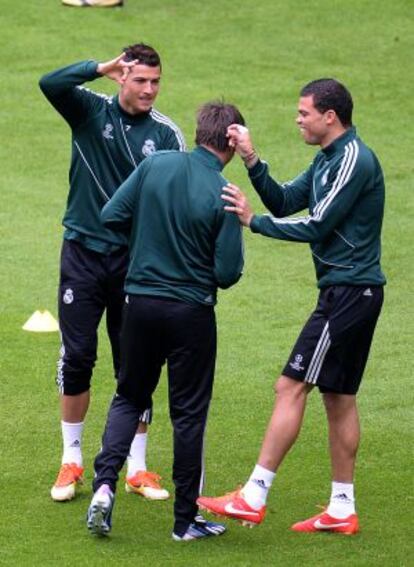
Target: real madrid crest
(68,296)
(148,148)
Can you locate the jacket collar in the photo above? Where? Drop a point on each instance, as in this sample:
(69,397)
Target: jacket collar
(208,158)
(340,142)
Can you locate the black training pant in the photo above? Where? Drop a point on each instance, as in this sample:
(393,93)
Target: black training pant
(90,283)
(157,330)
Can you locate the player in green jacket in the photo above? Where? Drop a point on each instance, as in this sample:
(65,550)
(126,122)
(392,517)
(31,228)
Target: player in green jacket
(343,190)
(111,135)
(183,247)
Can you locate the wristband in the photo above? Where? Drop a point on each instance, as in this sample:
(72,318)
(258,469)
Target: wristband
(251,159)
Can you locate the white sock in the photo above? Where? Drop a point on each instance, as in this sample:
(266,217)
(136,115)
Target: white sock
(256,488)
(342,503)
(72,442)
(136,458)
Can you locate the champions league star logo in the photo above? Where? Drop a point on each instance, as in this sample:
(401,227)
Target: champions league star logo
(148,148)
(296,365)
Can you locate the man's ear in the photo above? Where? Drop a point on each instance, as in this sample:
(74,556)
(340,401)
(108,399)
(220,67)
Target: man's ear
(330,117)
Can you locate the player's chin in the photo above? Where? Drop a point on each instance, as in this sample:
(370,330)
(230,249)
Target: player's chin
(308,138)
(144,106)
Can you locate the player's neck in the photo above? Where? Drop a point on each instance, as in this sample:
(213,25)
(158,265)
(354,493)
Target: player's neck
(332,135)
(224,157)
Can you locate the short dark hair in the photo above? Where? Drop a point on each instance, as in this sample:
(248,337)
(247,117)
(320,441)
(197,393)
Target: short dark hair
(329,94)
(145,54)
(213,119)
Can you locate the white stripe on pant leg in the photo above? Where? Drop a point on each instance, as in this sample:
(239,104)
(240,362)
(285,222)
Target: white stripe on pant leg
(317,353)
(203,450)
(60,378)
(321,359)
(145,416)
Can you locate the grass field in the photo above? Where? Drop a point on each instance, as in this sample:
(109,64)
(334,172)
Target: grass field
(256,55)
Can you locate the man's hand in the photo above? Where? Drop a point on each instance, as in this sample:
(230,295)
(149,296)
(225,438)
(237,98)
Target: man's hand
(239,203)
(239,139)
(117,69)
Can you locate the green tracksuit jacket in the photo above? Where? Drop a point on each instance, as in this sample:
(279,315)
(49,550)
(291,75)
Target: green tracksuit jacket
(107,145)
(343,190)
(183,244)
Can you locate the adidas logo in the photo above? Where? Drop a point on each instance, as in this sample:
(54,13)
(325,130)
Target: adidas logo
(260,482)
(367,292)
(342,496)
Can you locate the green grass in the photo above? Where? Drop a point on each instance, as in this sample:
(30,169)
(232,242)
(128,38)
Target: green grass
(256,55)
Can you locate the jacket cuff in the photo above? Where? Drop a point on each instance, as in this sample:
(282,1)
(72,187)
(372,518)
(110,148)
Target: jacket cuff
(257,169)
(91,69)
(255,223)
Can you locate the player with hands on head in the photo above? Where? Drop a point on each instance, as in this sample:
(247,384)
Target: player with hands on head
(111,136)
